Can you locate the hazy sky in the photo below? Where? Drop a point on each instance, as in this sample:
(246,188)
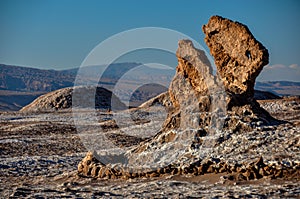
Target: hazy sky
(58,34)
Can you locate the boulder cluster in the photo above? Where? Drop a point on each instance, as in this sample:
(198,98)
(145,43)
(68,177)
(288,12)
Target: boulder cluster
(92,167)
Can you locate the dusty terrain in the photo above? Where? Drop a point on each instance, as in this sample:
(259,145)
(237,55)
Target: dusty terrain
(40,152)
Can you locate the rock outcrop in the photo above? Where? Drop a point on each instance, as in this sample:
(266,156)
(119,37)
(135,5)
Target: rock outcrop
(91,166)
(202,107)
(199,99)
(162,99)
(195,92)
(239,57)
(86,97)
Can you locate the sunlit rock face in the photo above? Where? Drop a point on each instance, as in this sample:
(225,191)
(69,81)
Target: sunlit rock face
(194,90)
(239,57)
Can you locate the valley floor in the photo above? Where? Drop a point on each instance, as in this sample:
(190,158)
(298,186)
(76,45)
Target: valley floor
(39,154)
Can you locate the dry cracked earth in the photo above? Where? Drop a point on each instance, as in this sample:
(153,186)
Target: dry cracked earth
(40,152)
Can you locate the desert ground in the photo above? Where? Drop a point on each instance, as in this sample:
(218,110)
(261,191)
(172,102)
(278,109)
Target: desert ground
(40,152)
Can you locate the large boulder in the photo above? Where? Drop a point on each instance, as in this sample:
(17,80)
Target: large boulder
(239,57)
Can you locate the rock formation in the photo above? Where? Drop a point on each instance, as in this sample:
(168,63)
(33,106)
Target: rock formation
(239,57)
(194,91)
(86,97)
(90,166)
(203,106)
(196,95)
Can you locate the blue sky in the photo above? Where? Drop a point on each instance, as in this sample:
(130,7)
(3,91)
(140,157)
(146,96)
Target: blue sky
(58,34)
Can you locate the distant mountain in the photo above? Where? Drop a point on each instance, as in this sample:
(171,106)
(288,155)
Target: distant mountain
(133,72)
(279,87)
(17,78)
(15,100)
(263,95)
(113,71)
(19,86)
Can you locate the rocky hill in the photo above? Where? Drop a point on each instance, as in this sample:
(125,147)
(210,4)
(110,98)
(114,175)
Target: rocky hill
(86,97)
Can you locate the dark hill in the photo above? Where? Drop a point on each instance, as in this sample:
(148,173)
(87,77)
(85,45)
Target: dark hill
(86,97)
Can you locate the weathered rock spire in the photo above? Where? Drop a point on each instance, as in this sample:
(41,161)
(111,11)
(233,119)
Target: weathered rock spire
(239,57)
